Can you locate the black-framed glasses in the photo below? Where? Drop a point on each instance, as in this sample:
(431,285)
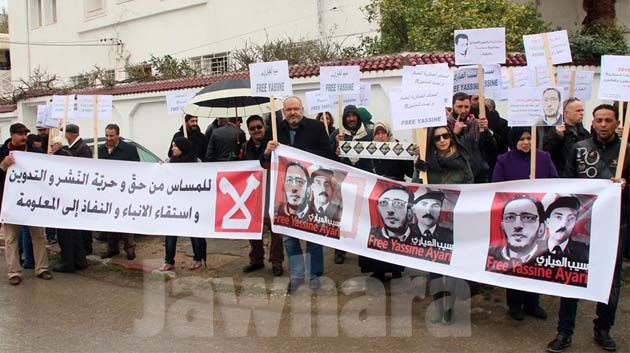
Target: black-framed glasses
(525,217)
(255,127)
(396,203)
(445,136)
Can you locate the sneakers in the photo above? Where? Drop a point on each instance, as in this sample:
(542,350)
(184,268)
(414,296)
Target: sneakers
(559,344)
(603,339)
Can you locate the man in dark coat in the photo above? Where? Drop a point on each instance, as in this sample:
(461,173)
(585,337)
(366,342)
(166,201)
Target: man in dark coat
(395,213)
(78,148)
(17,142)
(117,149)
(226,142)
(196,137)
(559,140)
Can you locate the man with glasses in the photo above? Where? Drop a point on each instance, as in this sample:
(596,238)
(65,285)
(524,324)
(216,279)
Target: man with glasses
(254,149)
(558,141)
(395,214)
(551,108)
(296,192)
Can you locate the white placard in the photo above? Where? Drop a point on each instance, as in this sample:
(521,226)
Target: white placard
(558,47)
(42,114)
(316,103)
(438,76)
(340,80)
(465,79)
(85,107)
(361,100)
(540,106)
(270,79)
(416,109)
(177,101)
(57,109)
(614,82)
(207,200)
(479,46)
(583,85)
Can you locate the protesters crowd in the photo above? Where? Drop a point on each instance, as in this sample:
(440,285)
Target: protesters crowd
(469,149)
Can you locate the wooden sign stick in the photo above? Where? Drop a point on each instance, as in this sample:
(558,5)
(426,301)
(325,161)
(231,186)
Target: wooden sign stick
(95,128)
(482,96)
(421,135)
(64,120)
(340,110)
(274,122)
(624,137)
(184,127)
(572,84)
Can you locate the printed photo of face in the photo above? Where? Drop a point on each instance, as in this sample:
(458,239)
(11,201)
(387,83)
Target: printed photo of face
(392,207)
(295,187)
(561,223)
(428,211)
(521,225)
(551,102)
(461,45)
(322,190)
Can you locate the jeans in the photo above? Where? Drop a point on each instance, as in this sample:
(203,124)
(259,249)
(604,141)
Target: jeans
(605,312)
(314,258)
(26,248)
(198,245)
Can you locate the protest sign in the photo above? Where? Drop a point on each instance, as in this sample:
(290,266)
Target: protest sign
(465,79)
(85,107)
(377,150)
(270,79)
(360,100)
(479,46)
(614,81)
(218,200)
(582,84)
(42,115)
(438,76)
(316,102)
(340,80)
(177,101)
(540,106)
(469,231)
(416,109)
(558,43)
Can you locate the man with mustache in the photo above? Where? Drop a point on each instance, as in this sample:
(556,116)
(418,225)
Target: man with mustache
(394,210)
(322,190)
(562,215)
(196,137)
(427,208)
(296,192)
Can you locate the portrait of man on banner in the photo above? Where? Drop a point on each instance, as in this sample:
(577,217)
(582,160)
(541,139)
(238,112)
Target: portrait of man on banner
(412,221)
(310,198)
(541,236)
(551,103)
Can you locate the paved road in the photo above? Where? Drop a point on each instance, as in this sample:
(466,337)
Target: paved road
(73,313)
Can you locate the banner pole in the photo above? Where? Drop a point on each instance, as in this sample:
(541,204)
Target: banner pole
(64,120)
(340,113)
(95,114)
(184,127)
(482,96)
(274,122)
(572,84)
(623,145)
(421,134)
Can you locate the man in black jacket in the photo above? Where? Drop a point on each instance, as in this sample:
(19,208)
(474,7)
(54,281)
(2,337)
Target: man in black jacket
(226,142)
(559,140)
(596,158)
(196,137)
(307,135)
(117,149)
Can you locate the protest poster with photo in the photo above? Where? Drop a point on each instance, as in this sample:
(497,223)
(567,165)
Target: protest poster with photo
(465,79)
(85,107)
(178,100)
(416,109)
(614,81)
(270,79)
(437,76)
(541,236)
(540,106)
(340,80)
(219,200)
(479,46)
(543,227)
(583,85)
(559,48)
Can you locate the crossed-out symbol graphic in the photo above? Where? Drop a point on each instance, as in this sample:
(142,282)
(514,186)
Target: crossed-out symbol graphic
(227,188)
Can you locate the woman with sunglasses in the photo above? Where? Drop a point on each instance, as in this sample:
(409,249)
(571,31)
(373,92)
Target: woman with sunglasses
(183,152)
(515,165)
(392,169)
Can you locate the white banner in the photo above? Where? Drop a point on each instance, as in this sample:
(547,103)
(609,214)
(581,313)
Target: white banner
(583,85)
(177,101)
(558,47)
(208,200)
(340,80)
(614,81)
(270,79)
(496,233)
(377,150)
(465,79)
(438,76)
(416,109)
(479,46)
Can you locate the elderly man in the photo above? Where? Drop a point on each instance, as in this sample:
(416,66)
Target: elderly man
(308,135)
(117,149)
(17,142)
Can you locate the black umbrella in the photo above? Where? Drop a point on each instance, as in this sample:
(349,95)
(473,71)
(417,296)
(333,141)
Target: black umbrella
(227,98)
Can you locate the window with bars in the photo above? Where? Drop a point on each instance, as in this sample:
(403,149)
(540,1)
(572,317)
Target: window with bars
(42,12)
(81,80)
(213,64)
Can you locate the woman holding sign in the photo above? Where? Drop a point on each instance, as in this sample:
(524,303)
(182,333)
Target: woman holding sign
(515,165)
(183,152)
